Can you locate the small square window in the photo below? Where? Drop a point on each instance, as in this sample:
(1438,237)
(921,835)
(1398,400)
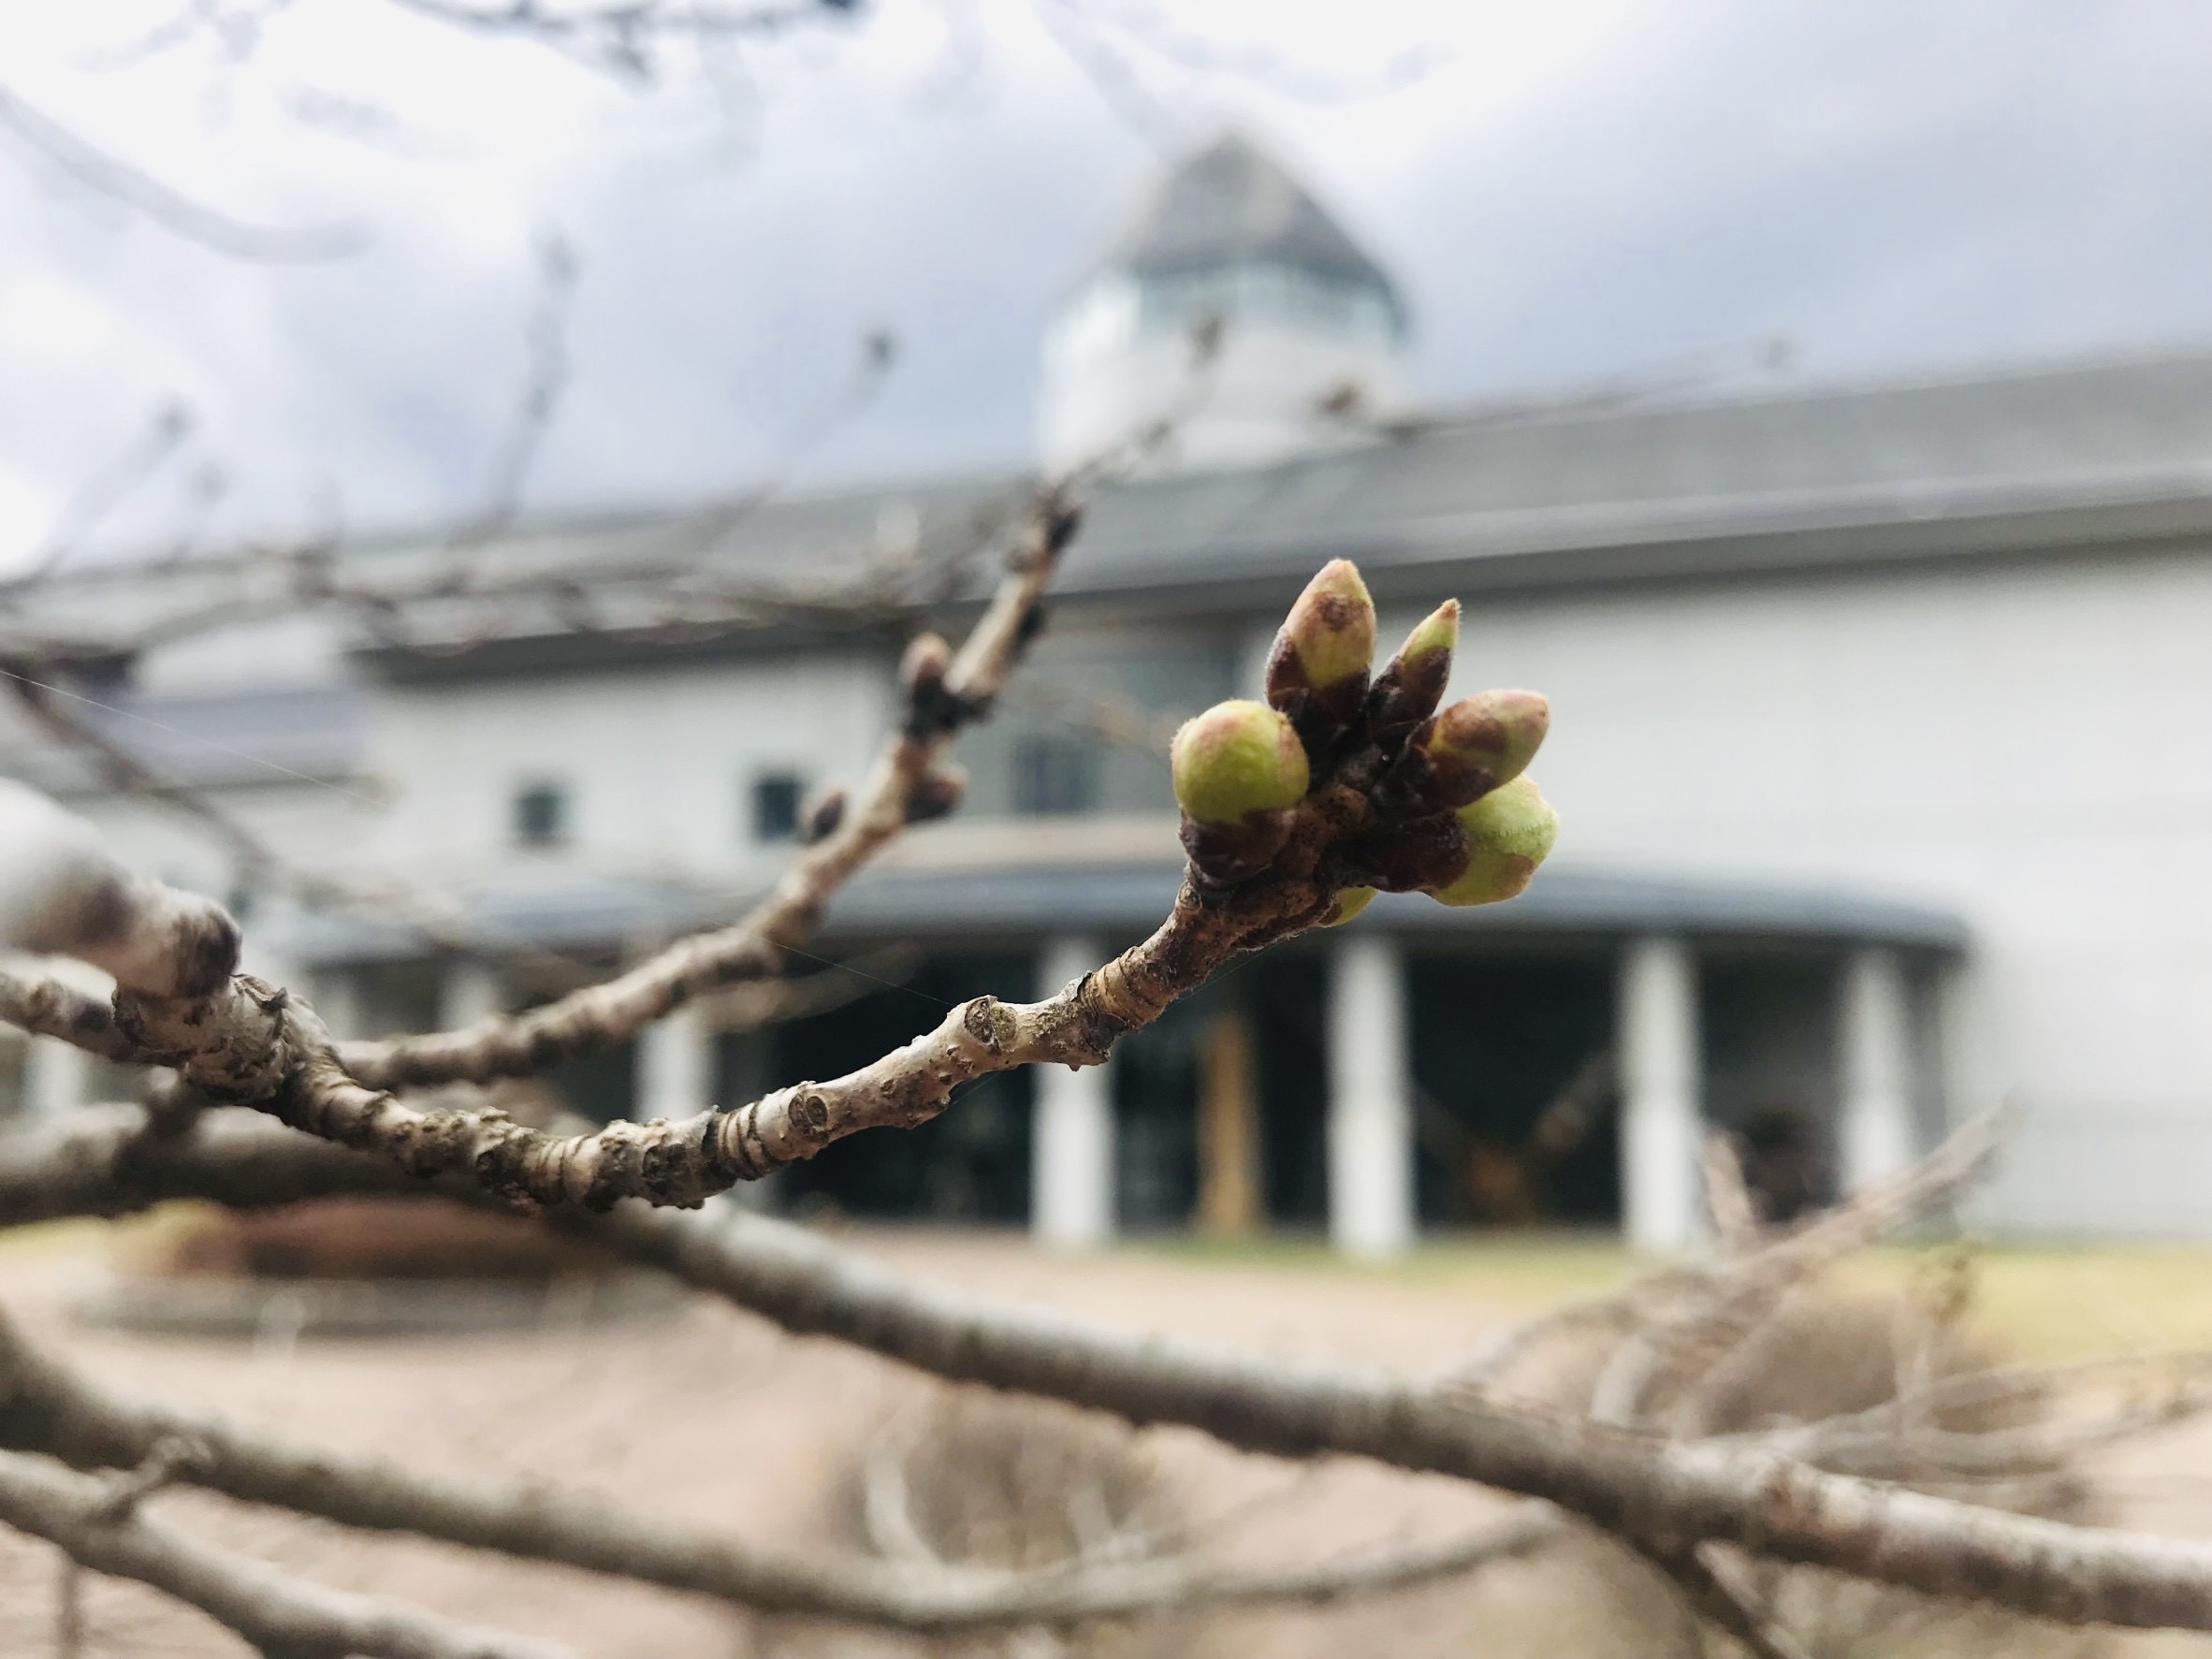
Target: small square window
(541,815)
(1054,777)
(776,805)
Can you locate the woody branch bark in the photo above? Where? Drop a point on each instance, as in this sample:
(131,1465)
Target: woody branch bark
(907,784)
(1294,812)
(233,1037)
(253,1044)
(48,1408)
(1666,1496)
(278,1614)
(48,1008)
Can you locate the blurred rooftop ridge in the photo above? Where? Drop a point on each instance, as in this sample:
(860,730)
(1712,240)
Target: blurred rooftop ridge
(1603,488)
(1229,201)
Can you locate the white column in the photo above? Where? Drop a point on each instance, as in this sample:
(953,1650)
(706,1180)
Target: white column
(469,992)
(57,1077)
(675,1064)
(1071,1169)
(1371,1210)
(1874,1057)
(1660,1087)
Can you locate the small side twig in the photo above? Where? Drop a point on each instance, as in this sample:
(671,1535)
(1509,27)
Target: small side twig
(270,1609)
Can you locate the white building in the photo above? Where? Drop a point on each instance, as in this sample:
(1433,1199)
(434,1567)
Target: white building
(1310,326)
(1882,740)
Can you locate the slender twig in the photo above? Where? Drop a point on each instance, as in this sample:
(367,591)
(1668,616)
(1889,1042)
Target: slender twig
(546,379)
(1694,1299)
(57,1411)
(750,947)
(1711,1586)
(437,922)
(47,1008)
(1729,1491)
(1727,1197)
(68,1609)
(165,205)
(102,492)
(276,1612)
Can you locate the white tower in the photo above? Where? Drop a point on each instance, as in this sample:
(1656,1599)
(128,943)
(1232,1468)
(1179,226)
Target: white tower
(1312,325)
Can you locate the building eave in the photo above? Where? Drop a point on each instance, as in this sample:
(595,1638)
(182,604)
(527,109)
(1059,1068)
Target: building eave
(1018,907)
(1547,550)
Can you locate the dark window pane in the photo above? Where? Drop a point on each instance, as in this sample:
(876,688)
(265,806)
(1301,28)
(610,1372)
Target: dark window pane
(1054,775)
(776,807)
(541,815)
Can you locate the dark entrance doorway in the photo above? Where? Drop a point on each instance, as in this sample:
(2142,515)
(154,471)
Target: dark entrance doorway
(1516,1106)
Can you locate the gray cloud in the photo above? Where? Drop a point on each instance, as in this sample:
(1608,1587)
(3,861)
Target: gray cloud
(1899,187)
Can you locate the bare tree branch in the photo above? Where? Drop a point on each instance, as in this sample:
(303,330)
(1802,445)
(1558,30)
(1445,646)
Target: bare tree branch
(940,699)
(62,893)
(619,37)
(1359,789)
(54,1411)
(168,206)
(277,1613)
(1619,1480)
(1155,30)
(47,1008)
(545,378)
(1710,1587)
(1727,1198)
(438,923)
(102,492)
(1696,1299)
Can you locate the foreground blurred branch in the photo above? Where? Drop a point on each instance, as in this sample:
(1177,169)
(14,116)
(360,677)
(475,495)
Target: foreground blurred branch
(112,177)
(280,1615)
(1295,811)
(1662,1494)
(53,1410)
(103,491)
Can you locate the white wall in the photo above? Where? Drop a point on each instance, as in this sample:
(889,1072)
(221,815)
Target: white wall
(2029,745)
(657,763)
(1106,375)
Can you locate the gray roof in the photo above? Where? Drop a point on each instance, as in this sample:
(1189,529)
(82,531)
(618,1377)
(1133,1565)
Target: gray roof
(1231,203)
(1610,486)
(1134,898)
(1617,487)
(1615,484)
(1131,898)
(296,734)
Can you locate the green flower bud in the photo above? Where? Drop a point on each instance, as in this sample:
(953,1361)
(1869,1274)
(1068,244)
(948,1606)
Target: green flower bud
(1405,692)
(1235,759)
(1478,744)
(1317,673)
(1509,831)
(1350,901)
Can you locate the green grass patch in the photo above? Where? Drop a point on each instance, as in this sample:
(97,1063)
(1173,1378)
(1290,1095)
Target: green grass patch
(2045,1301)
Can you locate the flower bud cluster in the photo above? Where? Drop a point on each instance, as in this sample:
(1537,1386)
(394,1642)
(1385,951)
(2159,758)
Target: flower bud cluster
(1356,778)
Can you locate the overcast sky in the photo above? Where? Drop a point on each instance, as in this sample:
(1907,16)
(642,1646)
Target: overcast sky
(1570,192)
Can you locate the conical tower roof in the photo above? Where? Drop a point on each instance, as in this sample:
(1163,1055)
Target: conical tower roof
(1232,203)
